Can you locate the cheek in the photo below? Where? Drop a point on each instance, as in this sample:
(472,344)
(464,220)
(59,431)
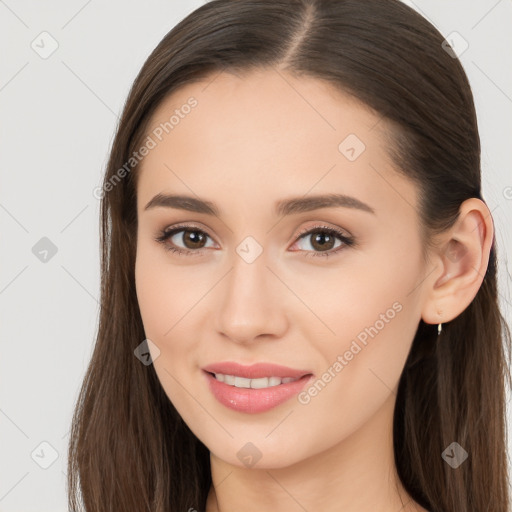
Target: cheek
(164,299)
(372,316)
(171,302)
(165,292)
(352,296)
(154,298)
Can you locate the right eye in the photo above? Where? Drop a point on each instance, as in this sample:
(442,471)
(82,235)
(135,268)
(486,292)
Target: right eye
(188,235)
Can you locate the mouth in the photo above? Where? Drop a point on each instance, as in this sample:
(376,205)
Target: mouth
(254,395)
(234,373)
(260,383)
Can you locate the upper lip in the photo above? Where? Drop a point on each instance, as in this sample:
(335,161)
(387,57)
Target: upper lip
(255,371)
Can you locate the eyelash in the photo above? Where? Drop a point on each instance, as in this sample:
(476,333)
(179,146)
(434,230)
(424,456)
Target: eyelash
(348,241)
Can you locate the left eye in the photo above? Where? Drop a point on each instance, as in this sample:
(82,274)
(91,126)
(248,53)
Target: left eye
(323,238)
(194,240)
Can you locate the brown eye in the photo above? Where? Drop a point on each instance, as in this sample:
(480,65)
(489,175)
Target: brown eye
(323,241)
(193,239)
(189,240)
(186,240)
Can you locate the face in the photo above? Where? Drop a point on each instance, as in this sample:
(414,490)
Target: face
(333,290)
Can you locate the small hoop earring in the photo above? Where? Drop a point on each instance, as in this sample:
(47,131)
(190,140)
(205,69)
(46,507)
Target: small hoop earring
(439,329)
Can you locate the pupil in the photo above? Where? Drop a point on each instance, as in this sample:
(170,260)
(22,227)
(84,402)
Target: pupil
(194,237)
(322,245)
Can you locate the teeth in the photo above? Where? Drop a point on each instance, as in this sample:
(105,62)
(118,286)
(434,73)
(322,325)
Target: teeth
(242,382)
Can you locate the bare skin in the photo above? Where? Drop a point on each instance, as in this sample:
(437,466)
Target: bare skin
(251,141)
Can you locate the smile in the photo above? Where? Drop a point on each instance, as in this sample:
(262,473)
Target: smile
(254,396)
(242,382)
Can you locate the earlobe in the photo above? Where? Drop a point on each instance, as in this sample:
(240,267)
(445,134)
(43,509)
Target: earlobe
(462,258)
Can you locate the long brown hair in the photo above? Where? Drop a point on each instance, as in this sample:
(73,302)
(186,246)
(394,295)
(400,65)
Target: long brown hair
(129,448)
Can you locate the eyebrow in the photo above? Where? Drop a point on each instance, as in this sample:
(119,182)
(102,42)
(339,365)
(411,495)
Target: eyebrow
(284,207)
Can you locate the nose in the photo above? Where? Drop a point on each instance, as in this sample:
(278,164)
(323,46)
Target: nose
(251,302)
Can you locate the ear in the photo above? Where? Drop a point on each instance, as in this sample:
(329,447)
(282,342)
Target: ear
(460,263)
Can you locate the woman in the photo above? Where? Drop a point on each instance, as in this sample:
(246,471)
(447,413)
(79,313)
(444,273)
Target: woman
(299,304)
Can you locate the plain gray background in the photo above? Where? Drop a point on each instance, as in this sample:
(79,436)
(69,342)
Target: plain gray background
(58,114)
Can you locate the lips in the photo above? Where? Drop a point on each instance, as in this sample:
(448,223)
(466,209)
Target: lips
(253,401)
(255,371)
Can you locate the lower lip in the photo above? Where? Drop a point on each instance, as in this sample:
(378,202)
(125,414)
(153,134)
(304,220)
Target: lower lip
(254,400)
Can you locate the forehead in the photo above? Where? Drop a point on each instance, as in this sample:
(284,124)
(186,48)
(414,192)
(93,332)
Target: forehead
(262,103)
(265,131)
